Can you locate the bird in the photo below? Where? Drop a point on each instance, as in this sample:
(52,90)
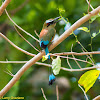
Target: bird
(46,36)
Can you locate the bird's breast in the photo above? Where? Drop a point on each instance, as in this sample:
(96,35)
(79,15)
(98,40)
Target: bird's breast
(43,32)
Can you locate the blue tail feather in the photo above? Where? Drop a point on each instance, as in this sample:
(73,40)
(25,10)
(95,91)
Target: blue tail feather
(51,79)
(43,44)
(47,51)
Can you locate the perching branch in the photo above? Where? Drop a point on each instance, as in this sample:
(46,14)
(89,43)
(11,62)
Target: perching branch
(3,6)
(54,44)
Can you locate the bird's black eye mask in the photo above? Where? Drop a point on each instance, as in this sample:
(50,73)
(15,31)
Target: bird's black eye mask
(49,22)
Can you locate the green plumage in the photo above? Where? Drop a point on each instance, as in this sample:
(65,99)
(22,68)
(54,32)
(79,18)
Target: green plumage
(49,35)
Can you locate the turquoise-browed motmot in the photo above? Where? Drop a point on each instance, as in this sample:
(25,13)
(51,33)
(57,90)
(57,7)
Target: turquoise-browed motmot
(46,36)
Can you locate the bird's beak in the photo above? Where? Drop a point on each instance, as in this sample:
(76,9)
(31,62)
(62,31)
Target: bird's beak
(57,19)
(54,21)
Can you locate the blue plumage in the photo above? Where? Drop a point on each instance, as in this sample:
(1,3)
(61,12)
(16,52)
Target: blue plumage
(43,44)
(51,79)
(47,51)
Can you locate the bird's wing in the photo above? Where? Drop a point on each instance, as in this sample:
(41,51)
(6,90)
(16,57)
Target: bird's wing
(48,35)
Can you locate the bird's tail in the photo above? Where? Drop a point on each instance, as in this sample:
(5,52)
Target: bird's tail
(51,76)
(47,51)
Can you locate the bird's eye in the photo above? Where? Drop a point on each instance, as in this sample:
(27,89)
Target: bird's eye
(48,24)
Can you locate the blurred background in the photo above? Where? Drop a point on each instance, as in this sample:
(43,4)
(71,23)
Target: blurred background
(30,15)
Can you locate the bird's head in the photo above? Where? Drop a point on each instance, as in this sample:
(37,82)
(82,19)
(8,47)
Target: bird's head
(51,22)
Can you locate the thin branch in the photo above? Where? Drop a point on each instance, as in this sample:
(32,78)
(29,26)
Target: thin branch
(43,94)
(20,27)
(3,6)
(57,92)
(48,65)
(26,40)
(16,62)
(74,58)
(78,54)
(16,45)
(36,33)
(54,44)
(90,57)
(9,73)
(83,92)
(68,62)
(90,4)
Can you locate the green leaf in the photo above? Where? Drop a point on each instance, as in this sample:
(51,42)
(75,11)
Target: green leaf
(84,29)
(93,18)
(88,79)
(56,65)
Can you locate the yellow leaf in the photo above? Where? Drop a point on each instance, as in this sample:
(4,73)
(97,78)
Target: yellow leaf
(84,29)
(45,57)
(88,79)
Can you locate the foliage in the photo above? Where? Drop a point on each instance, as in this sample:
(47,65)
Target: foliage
(56,65)
(88,79)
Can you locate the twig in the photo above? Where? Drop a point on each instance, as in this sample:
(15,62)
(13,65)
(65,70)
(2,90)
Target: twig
(74,58)
(16,62)
(57,92)
(90,5)
(9,73)
(36,33)
(20,27)
(3,6)
(97,98)
(54,44)
(26,40)
(43,94)
(48,65)
(89,58)
(83,92)
(68,62)
(16,45)
(78,54)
